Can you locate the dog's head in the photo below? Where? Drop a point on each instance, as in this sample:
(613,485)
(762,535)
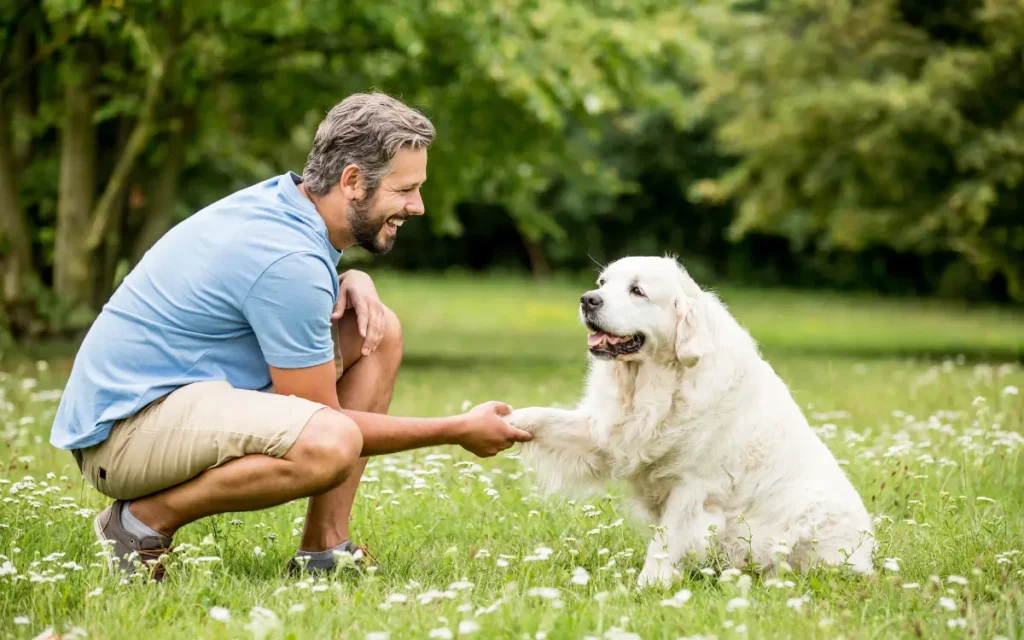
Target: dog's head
(646,307)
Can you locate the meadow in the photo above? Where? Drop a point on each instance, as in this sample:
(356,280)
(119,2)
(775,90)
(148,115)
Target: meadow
(919,401)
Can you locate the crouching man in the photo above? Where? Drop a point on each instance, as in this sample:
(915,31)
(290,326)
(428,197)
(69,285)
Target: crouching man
(234,370)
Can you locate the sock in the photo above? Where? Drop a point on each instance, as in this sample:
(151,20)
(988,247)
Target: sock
(323,559)
(135,526)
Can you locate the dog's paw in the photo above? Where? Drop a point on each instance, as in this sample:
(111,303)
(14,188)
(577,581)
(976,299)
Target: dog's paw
(656,574)
(530,419)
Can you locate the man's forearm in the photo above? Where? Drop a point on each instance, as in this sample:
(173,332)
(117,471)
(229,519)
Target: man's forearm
(384,434)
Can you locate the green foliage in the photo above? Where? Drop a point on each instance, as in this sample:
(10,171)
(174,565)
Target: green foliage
(856,124)
(805,143)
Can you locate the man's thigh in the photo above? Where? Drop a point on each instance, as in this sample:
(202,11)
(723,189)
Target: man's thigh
(194,428)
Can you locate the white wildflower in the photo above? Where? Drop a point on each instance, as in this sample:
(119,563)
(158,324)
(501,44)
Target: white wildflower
(462,585)
(737,603)
(297,608)
(547,593)
(960,580)
(262,622)
(98,591)
(892,564)
(679,599)
(443,633)
(580,576)
(220,614)
(616,633)
(744,583)
(948,604)
(957,622)
(429,596)
(728,575)
(1011,391)
(467,627)
(797,603)
(21,620)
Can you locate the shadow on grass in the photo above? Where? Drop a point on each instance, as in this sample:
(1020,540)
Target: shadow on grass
(927,355)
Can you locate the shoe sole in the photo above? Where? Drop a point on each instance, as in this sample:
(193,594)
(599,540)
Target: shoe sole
(97,528)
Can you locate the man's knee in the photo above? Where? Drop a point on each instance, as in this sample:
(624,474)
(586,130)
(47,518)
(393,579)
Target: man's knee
(326,450)
(391,343)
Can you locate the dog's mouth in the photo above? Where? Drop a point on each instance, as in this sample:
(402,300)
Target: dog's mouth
(607,345)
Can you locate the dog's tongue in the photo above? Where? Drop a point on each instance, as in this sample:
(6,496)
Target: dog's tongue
(600,337)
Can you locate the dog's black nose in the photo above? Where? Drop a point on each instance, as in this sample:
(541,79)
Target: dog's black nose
(591,301)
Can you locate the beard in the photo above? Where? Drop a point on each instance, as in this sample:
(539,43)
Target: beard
(366,229)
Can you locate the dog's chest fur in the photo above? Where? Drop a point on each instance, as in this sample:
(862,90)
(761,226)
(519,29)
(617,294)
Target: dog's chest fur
(642,427)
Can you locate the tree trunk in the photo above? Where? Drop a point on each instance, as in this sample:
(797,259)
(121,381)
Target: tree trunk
(23,102)
(162,196)
(16,238)
(76,191)
(107,255)
(540,266)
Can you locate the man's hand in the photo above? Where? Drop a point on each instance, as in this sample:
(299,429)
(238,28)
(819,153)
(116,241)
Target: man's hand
(356,291)
(484,433)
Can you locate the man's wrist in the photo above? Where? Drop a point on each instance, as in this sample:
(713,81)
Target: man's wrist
(453,429)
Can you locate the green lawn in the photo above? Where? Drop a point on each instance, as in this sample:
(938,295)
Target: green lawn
(918,400)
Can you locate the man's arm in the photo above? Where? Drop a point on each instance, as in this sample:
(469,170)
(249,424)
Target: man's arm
(482,431)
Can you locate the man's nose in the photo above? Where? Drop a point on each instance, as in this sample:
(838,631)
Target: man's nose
(591,301)
(415,206)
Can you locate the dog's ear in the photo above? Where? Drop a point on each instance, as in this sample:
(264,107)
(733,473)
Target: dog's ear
(692,339)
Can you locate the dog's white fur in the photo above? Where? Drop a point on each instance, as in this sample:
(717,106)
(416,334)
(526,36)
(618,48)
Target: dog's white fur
(704,431)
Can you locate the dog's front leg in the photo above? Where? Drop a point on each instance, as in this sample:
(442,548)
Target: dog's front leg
(683,530)
(562,452)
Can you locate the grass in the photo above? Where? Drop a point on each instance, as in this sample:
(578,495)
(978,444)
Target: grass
(916,399)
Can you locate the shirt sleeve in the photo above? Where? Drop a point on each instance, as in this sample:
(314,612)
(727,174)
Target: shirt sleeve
(289,308)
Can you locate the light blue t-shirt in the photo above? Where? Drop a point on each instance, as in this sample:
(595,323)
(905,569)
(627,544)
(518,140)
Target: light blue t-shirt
(248,281)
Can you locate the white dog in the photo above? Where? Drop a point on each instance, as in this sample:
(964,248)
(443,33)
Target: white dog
(680,404)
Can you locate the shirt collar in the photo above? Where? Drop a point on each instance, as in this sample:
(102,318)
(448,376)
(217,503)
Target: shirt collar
(290,190)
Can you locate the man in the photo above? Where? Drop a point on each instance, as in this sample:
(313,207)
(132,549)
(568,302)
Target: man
(234,370)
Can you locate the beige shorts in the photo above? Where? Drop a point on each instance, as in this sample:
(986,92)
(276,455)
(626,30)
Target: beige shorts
(194,428)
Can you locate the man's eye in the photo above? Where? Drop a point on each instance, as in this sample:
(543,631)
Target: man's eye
(636,291)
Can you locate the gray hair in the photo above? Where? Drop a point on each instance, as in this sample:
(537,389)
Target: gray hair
(367,130)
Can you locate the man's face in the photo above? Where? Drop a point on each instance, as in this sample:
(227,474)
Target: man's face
(374,220)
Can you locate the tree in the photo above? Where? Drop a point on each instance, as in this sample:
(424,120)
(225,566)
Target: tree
(897,123)
(125,117)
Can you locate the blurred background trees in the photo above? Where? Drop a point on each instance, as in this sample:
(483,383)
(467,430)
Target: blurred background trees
(798,143)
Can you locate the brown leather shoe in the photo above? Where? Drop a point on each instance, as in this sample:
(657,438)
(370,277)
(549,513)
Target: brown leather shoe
(127,546)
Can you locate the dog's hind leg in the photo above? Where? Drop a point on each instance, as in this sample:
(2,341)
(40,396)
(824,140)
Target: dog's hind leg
(686,528)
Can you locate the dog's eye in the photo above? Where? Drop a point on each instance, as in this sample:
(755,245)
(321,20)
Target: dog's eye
(636,291)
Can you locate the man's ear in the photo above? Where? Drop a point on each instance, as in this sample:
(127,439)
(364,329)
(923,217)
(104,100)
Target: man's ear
(351,182)
(693,341)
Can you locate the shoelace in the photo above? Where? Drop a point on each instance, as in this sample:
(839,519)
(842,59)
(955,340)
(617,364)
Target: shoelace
(366,552)
(157,570)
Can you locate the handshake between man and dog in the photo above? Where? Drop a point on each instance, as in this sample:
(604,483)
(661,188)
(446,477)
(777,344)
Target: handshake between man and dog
(680,404)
